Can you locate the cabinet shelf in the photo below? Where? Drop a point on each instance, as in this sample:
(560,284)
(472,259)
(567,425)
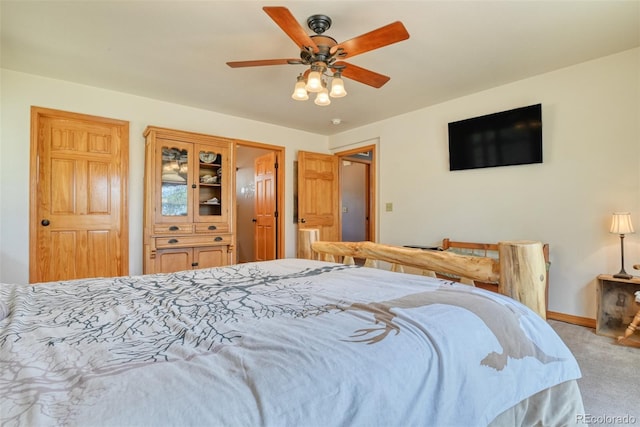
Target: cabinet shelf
(173,183)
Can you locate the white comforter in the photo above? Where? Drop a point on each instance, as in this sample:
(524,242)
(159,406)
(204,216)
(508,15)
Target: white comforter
(279,343)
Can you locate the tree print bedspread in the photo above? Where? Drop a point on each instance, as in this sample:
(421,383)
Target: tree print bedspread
(285,342)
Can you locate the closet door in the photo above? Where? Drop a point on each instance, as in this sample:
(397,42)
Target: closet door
(78,212)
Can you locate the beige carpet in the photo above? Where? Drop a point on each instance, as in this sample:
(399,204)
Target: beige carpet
(610,381)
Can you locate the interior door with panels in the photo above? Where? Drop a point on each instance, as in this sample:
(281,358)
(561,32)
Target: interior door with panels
(78,205)
(265,207)
(319,194)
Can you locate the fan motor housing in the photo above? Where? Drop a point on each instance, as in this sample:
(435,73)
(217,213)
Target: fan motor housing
(324,43)
(319,23)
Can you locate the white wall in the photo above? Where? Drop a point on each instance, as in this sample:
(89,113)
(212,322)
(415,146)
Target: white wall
(591,130)
(591,133)
(20,91)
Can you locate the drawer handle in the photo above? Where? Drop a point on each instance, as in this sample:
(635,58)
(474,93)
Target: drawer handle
(173,240)
(194,264)
(174,228)
(213,227)
(217,239)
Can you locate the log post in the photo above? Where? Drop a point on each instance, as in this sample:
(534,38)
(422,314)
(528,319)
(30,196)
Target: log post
(523,273)
(306,236)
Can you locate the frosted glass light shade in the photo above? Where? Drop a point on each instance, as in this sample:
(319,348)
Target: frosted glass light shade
(299,91)
(621,223)
(337,88)
(322,98)
(314,82)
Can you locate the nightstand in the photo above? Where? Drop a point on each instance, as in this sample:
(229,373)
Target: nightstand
(617,307)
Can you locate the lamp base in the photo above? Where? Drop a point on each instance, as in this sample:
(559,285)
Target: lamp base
(623,275)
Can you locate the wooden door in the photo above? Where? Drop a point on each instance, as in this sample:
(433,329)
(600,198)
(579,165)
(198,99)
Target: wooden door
(265,207)
(318,194)
(78,197)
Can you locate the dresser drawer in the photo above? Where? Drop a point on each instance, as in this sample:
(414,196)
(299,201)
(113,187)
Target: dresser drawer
(212,228)
(173,228)
(187,241)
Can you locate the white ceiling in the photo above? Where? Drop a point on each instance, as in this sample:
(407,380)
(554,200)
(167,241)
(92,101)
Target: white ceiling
(177,51)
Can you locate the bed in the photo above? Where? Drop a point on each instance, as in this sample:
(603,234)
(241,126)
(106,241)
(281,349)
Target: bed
(491,250)
(290,342)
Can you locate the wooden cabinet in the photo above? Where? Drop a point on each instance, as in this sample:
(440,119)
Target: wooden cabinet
(188,207)
(616,305)
(178,259)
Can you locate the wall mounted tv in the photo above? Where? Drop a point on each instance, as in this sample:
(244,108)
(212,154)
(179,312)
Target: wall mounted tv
(512,137)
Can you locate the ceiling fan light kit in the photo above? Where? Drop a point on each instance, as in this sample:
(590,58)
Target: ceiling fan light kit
(324,55)
(315,83)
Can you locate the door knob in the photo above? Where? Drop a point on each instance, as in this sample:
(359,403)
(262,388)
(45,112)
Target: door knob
(302,220)
(254,220)
(45,222)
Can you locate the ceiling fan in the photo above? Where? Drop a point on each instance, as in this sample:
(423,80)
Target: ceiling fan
(324,54)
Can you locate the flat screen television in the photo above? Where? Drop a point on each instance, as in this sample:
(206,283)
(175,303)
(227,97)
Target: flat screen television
(512,137)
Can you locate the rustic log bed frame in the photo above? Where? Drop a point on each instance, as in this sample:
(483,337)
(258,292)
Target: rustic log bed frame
(520,270)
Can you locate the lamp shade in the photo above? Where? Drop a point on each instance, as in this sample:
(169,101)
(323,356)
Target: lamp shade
(322,98)
(299,92)
(337,88)
(314,81)
(621,223)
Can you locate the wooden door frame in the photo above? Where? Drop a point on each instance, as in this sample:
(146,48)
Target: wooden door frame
(37,114)
(280,193)
(372,184)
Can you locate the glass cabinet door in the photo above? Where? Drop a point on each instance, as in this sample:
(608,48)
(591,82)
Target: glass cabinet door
(211,194)
(174,168)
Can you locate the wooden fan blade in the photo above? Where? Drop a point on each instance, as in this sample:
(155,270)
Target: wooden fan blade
(375,39)
(289,25)
(261,62)
(362,75)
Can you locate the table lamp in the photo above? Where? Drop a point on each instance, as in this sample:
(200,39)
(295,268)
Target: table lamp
(621,224)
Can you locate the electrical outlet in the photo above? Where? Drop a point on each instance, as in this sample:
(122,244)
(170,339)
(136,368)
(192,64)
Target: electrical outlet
(388,207)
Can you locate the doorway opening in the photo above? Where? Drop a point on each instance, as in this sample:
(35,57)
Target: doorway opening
(259,201)
(357,194)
